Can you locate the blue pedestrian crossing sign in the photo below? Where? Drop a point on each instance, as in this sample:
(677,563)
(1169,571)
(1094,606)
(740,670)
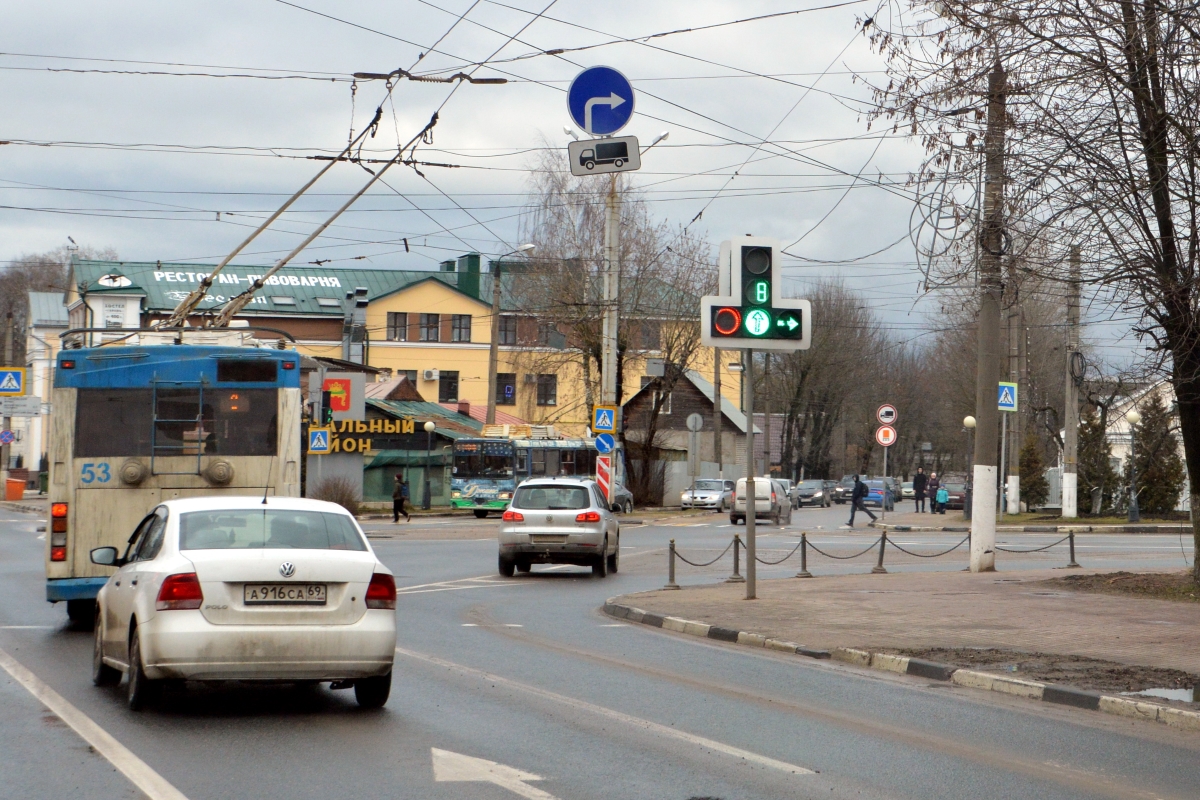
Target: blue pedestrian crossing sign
(604,419)
(605,443)
(1006,397)
(319,441)
(12,381)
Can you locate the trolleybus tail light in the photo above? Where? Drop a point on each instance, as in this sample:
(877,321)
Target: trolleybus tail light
(58,546)
(513,516)
(58,518)
(381,593)
(289,365)
(67,363)
(179,592)
(588,516)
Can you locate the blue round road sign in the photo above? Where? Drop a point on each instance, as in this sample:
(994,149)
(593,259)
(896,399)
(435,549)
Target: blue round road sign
(605,443)
(600,101)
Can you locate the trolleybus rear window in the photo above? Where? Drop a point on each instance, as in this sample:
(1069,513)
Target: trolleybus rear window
(247,370)
(125,422)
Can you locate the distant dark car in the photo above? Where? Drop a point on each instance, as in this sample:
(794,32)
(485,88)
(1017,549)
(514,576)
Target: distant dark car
(844,490)
(812,493)
(958,495)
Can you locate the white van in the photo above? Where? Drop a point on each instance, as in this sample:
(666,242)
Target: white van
(770,502)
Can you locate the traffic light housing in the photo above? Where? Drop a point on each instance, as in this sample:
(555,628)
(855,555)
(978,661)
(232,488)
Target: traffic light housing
(750,310)
(326,410)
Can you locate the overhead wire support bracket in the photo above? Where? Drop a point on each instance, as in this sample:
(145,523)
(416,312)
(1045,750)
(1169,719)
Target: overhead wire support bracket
(237,303)
(403,73)
(186,306)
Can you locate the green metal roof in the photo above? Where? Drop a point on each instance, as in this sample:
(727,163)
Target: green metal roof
(449,424)
(295,289)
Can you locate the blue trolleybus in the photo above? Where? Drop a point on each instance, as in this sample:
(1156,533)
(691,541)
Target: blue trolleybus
(132,426)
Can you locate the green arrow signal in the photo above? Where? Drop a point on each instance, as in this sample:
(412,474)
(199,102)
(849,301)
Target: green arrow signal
(789,321)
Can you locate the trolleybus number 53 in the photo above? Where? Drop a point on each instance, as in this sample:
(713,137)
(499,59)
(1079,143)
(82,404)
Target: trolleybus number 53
(94,473)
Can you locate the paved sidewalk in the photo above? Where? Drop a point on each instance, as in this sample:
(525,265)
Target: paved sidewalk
(947,609)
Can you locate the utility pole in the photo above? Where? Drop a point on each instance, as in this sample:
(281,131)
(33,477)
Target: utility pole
(8,362)
(751,494)
(766,462)
(983,490)
(494,347)
(717,412)
(611,313)
(1070,477)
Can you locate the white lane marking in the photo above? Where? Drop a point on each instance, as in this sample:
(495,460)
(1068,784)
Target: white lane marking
(636,722)
(443,583)
(26,627)
(470,625)
(450,766)
(139,773)
(513,625)
(460,588)
(614,625)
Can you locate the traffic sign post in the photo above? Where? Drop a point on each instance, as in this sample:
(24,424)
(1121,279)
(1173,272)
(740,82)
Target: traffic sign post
(320,441)
(604,419)
(751,311)
(604,476)
(885,435)
(1006,396)
(605,443)
(600,101)
(1006,401)
(886,414)
(602,156)
(12,381)
(28,406)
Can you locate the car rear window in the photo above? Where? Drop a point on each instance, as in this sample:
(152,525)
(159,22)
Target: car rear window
(280,529)
(551,498)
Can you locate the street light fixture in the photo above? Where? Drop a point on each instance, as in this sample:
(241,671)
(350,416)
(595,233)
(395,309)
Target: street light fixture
(969,424)
(494,346)
(1133,418)
(569,131)
(429,428)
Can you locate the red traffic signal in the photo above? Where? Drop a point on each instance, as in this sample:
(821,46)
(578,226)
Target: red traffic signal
(726,321)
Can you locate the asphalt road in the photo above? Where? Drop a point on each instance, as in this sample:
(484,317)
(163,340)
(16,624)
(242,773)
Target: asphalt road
(526,673)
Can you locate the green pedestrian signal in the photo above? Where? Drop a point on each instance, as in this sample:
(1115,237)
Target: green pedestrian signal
(750,310)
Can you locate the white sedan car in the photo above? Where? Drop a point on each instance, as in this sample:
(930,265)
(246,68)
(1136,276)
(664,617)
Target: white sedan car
(238,588)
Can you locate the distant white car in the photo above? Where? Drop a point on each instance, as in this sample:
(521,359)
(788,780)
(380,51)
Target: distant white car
(235,588)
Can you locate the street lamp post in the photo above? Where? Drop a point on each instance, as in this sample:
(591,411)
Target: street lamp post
(494,347)
(969,424)
(429,427)
(1133,418)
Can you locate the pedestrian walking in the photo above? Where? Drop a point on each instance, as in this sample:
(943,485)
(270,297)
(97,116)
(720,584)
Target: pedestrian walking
(919,481)
(856,501)
(931,488)
(399,499)
(943,497)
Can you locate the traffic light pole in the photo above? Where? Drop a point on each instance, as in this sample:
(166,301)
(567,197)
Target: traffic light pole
(751,494)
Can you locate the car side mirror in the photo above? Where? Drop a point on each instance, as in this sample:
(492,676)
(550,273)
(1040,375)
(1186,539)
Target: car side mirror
(105,556)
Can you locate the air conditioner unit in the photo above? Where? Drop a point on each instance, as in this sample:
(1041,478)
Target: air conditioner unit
(431,374)
(530,377)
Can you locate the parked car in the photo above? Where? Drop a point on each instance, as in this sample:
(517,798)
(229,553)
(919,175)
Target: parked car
(559,521)
(622,498)
(906,489)
(844,490)
(958,495)
(239,588)
(770,502)
(879,493)
(813,493)
(708,493)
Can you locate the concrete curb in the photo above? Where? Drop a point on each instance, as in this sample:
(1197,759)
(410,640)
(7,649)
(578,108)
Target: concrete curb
(24,509)
(1033,528)
(903,665)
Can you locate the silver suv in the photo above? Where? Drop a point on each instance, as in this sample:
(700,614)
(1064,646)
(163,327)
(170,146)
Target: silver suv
(559,521)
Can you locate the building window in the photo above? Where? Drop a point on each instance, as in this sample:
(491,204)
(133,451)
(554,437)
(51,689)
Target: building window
(429,327)
(283,301)
(460,328)
(666,406)
(508,330)
(506,388)
(397,326)
(447,385)
(547,393)
(651,335)
(410,374)
(328,302)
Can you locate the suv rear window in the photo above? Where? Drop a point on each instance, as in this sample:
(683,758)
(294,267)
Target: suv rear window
(551,498)
(242,528)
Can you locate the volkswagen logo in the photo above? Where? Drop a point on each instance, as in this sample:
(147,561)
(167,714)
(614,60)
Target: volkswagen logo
(549,518)
(287,569)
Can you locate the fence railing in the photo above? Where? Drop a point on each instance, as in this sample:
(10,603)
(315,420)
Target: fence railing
(879,546)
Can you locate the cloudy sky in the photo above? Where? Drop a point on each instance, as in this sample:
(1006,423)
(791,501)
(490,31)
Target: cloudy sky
(767,128)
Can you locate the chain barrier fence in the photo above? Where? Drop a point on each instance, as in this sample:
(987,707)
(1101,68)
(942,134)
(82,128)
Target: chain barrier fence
(804,545)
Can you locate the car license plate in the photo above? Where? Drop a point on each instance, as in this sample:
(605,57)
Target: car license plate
(284,594)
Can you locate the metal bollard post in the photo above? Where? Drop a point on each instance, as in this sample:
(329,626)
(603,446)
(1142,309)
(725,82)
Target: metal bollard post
(878,568)
(1071,564)
(736,576)
(803,573)
(671,584)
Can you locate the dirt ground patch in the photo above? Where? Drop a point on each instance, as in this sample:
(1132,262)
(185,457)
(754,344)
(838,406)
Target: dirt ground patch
(1085,673)
(1156,585)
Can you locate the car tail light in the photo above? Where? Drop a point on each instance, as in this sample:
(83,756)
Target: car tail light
(773,497)
(588,516)
(178,592)
(381,593)
(513,516)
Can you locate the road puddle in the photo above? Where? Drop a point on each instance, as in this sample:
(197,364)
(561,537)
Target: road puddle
(1182,695)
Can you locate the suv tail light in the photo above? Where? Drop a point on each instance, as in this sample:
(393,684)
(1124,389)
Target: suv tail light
(381,593)
(513,516)
(180,592)
(58,531)
(588,516)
